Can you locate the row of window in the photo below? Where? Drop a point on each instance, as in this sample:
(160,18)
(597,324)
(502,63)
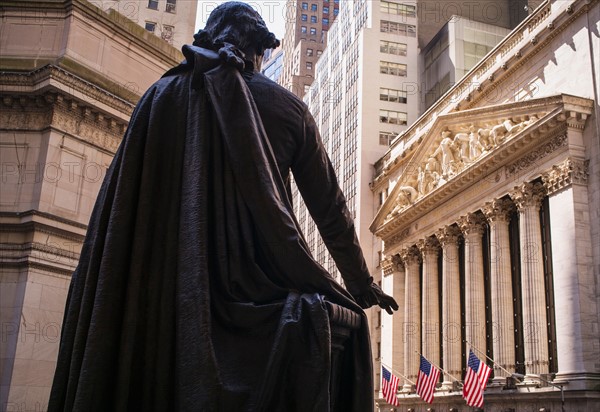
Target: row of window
(395,69)
(399,9)
(310,52)
(390,47)
(166,34)
(392,117)
(303,30)
(392,95)
(169,8)
(398,28)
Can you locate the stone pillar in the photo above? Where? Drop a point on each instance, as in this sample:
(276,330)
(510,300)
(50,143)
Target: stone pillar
(472,227)
(576,302)
(412,314)
(497,213)
(430,309)
(392,326)
(451,327)
(399,280)
(528,198)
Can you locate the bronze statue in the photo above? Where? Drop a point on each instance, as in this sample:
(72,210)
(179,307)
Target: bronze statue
(195,289)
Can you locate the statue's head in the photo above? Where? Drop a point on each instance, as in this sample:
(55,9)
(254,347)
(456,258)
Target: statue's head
(238,24)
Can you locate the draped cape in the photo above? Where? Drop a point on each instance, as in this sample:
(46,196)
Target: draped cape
(195,289)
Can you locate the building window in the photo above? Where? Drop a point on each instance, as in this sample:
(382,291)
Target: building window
(399,9)
(392,117)
(313,7)
(395,69)
(309,52)
(385,138)
(303,29)
(313,19)
(153,4)
(304,17)
(171,6)
(391,95)
(306,88)
(319,52)
(308,65)
(325,20)
(304,6)
(313,30)
(398,28)
(325,10)
(336,12)
(150,26)
(390,47)
(167,33)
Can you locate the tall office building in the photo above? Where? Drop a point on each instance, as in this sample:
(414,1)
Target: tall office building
(360,103)
(367,89)
(272,66)
(171,20)
(305,39)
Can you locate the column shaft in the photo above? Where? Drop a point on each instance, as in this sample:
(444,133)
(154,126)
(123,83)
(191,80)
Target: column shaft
(412,314)
(451,327)
(528,198)
(430,331)
(498,214)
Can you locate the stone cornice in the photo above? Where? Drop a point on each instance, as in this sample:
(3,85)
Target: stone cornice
(67,84)
(568,172)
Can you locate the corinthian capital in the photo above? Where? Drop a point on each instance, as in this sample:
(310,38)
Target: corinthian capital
(498,210)
(448,235)
(528,195)
(429,246)
(410,256)
(471,223)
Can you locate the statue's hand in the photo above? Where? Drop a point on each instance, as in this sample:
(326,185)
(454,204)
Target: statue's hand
(375,296)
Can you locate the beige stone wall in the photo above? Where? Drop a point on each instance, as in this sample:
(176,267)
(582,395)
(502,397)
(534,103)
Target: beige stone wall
(70,76)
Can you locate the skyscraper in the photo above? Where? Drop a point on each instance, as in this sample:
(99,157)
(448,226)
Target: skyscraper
(305,39)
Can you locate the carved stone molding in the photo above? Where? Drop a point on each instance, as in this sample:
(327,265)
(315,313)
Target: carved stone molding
(471,223)
(528,195)
(410,256)
(498,210)
(388,266)
(576,120)
(568,172)
(448,235)
(429,246)
(38,112)
(394,240)
(535,155)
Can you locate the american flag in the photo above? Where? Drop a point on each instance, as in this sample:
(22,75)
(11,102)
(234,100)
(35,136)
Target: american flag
(428,377)
(389,386)
(475,381)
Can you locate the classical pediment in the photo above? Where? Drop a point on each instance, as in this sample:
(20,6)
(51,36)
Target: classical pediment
(462,146)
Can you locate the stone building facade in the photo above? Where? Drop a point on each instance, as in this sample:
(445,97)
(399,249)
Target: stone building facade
(491,230)
(70,76)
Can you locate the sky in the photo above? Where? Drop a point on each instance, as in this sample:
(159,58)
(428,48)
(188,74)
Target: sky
(273,13)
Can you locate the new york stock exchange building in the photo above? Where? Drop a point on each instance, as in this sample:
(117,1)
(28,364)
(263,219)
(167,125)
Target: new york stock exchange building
(490,226)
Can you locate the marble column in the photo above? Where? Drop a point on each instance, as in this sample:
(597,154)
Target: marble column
(399,280)
(576,302)
(430,301)
(475,331)
(498,213)
(528,198)
(451,327)
(412,313)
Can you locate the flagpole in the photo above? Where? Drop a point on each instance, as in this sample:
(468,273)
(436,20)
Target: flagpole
(398,373)
(487,357)
(439,368)
(558,386)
